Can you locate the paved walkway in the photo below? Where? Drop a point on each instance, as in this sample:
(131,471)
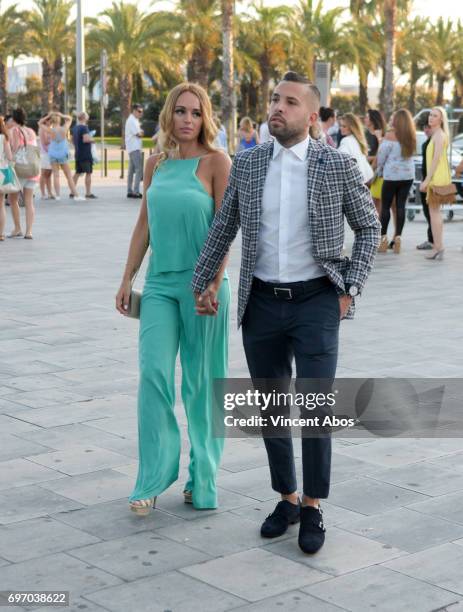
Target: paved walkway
(68,380)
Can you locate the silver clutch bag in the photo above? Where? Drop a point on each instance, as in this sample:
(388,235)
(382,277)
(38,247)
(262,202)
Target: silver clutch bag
(133,310)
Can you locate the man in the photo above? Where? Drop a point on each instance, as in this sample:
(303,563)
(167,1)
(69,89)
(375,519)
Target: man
(133,145)
(83,154)
(290,197)
(428,244)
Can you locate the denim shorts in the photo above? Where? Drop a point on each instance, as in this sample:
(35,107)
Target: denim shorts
(59,160)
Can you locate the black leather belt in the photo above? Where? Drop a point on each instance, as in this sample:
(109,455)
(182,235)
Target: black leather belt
(289,291)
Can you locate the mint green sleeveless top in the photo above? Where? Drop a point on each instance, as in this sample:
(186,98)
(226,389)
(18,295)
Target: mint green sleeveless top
(180,213)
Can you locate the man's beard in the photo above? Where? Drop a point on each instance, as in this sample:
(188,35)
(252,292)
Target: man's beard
(283,133)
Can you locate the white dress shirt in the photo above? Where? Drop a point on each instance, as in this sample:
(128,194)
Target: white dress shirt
(284,250)
(132,128)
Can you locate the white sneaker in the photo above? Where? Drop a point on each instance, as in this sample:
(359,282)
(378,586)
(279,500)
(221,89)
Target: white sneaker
(78,199)
(57,198)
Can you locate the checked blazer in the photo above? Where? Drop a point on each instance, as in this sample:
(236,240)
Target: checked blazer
(335,190)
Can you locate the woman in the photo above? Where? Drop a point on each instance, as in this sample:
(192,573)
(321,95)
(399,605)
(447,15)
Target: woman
(247,135)
(395,164)
(58,150)
(45,164)
(20,135)
(375,131)
(327,120)
(5,157)
(188,185)
(355,144)
(438,175)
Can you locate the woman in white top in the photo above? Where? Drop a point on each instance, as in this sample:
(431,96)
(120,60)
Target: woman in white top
(5,157)
(354,143)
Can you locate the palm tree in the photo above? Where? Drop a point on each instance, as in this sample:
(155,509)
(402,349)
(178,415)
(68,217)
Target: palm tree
(228,80)
(390,16)
(411,54)
(49,35)
(315,34)
(441,50)
(199,24)
(138,45)
(11,41)
(270,42)
(457,65)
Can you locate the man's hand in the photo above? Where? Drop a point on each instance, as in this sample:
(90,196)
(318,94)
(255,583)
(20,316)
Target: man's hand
(206,302)
(344,303)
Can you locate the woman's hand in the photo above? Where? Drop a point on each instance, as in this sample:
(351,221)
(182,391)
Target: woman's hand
(206,302)
(123,296)
(424,185)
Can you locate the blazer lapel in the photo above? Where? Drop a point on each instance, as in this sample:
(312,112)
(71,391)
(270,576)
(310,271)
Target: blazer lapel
(258,169)
(316,172)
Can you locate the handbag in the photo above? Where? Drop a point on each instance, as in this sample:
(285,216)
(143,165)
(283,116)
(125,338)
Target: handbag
(133,310)
(442,194)
(27,160)
(8,180)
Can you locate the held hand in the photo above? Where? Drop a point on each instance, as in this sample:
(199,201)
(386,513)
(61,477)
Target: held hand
(122,297)
(206,302)
(344,303)
(424,186)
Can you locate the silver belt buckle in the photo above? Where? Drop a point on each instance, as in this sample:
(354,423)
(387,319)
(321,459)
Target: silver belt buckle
(278,290)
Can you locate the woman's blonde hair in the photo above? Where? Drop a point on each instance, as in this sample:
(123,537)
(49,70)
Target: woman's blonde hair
(445,120)
(246,124)
(405,132)
(355,126)
(167,143)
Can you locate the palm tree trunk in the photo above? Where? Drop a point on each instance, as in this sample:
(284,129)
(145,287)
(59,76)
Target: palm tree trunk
(3,85)
(363,92)
(47,87)
(125,94)
(440,90)
(413,81)
(390,10)
(228,84)
(58,92)
(265,88)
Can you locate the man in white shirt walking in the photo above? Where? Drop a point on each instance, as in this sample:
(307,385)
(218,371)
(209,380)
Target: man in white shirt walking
(290,196)
(133,146)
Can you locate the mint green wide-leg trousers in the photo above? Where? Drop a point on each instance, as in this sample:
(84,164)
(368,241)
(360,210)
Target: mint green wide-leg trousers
(169,323)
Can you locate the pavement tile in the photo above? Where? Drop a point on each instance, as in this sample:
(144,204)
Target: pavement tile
(441,566)
(383,590)
(171,591)
(80,460)
(114,519)
(38,537)
(139,555)
(424,478)
(343,552)
(405,529)
(22,503)
(295,601)
(57,572)
(254,574)
(20,472)
(12,447)
(93,488)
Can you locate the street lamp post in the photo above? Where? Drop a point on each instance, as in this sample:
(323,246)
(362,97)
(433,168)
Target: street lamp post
(80,60)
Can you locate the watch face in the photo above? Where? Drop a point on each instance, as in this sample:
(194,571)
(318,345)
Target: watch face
(353,291)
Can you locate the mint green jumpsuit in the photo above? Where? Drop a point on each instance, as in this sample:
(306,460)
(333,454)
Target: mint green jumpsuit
(180,212)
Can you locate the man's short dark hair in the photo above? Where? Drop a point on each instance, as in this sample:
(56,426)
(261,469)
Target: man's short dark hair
(19,116)
(137,107)
(326,113)
(295,77)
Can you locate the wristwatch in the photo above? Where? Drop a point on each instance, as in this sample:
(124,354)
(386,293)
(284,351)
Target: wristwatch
(351,290)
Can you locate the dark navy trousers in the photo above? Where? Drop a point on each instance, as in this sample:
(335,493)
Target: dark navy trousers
(276,331)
